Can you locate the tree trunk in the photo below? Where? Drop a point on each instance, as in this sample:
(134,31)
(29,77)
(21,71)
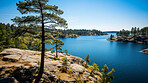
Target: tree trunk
(56,50)
(43,52)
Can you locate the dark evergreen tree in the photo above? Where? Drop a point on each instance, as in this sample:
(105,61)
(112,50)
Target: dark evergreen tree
(87,60)
(106,77)
(111,37)
(94,69)
(58,44)
(46,14)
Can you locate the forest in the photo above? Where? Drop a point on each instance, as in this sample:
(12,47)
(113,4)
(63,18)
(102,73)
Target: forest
(80,31)
(136,35)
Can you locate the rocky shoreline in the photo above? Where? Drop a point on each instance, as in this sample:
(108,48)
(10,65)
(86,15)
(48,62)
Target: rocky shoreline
(18,65)
(145,51)
(138,39)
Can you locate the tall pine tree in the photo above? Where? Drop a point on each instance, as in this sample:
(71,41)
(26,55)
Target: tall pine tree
(45,15)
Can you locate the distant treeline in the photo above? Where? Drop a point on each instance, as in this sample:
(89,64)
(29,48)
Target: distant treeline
(80,31)
(134,31)
(110,31)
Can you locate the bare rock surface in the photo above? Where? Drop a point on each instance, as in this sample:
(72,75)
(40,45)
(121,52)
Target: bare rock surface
(77,68)
(25,61)
(13,57)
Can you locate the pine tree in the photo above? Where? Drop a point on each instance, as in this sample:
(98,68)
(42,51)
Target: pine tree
(58,44)
(111,36)
(132,30)
(45,14)
(118,33)
(135,31)
(94,69)
(106,77)
(66,52)
(65,62)
(87,60)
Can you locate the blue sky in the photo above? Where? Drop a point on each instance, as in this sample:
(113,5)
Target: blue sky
(103,15)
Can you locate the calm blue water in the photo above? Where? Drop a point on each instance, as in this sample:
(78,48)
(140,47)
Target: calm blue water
(131,66)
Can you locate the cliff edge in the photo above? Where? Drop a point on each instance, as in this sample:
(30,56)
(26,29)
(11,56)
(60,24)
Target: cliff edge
(18,65)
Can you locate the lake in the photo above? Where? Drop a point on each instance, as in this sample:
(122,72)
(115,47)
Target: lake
(130,65)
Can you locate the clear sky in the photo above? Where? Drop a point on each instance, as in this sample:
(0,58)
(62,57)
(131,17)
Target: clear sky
(103,15)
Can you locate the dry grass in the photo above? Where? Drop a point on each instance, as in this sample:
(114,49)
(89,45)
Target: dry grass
(65,76)
(36,58)
(36,53)
(27,64)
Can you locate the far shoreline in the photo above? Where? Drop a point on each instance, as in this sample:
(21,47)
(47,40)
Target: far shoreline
(128,39)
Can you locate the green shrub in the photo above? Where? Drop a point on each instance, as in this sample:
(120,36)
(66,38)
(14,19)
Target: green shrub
(63,69)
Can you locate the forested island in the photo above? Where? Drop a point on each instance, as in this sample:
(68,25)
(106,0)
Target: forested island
(136,35)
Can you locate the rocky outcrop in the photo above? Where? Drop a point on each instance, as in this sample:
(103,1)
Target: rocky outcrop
(77,68)
(145,51)
(23,65)
(137,39)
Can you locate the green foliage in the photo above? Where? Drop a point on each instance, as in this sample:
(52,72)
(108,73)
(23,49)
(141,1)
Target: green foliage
(69,71)
(64,65)
(111,36)
(19,43)
(44,13)
(94,68)
(123,33)
(66,52)
(134,31)
(6,39)
(144,31)
(65,62)
(36,45)
(63,69)
(10,37)
(76,32)
(58,44)
(106,77)
(87,60)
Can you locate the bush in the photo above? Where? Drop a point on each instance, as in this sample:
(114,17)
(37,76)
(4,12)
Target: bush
(63,69)
(69,71)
